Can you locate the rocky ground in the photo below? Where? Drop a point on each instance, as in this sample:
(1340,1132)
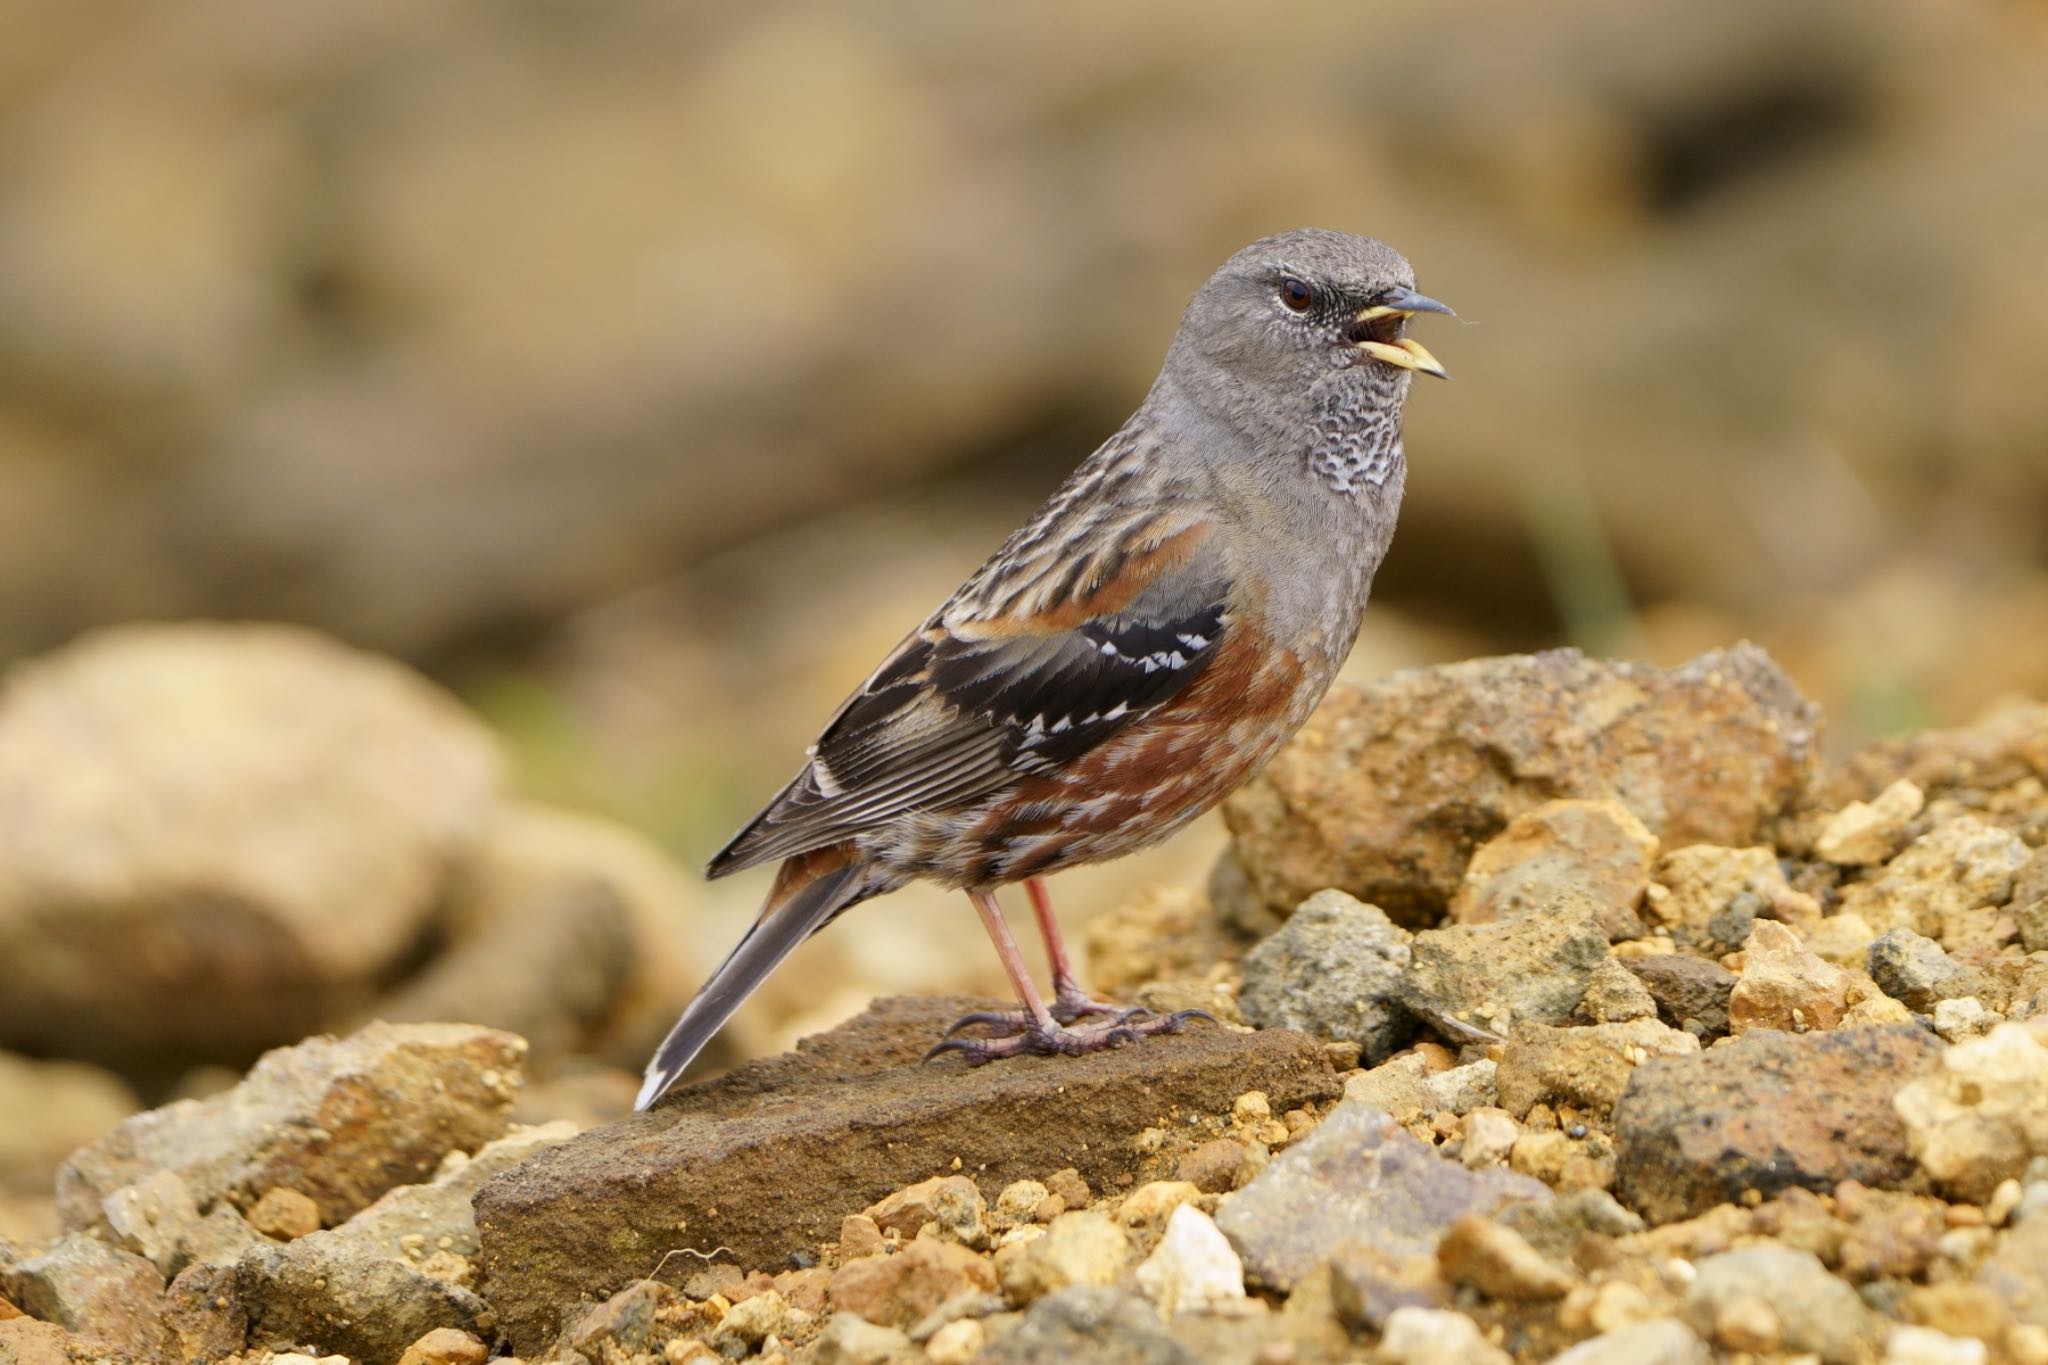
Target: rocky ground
(1565,1011)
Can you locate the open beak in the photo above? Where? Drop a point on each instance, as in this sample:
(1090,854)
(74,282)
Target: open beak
(1377,331)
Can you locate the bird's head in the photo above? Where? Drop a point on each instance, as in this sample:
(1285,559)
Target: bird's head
(1295,312)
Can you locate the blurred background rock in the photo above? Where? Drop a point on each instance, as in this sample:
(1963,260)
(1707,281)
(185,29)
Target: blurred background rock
(639,370)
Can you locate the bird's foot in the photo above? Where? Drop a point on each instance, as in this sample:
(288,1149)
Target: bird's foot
(1069,1005)
(1030,1038)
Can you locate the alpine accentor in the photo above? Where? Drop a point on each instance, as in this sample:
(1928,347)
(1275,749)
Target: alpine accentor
(1124,661)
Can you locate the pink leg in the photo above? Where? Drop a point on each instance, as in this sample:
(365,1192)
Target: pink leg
(1013,961)
(1070,1000)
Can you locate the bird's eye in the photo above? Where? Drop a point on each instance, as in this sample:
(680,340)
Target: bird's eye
(1296,294)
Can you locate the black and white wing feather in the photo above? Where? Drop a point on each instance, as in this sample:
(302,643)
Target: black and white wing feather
(1025,669)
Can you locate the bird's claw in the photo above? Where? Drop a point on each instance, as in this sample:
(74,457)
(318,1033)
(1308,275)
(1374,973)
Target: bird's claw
(1060,1040)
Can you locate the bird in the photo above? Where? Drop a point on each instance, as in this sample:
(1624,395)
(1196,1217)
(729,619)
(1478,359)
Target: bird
(1132,654)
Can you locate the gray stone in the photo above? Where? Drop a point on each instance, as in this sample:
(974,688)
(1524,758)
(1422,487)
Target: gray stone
(1358,1176)
(1691,992)
(155,1218)
(1102,1326)
(220,1238)
(339,1120)
(370,1287)
(1367,1284)
(1815,1311)
(1334,970)
(1916,972)
(773,1155)
(93,1289)
(1533,968)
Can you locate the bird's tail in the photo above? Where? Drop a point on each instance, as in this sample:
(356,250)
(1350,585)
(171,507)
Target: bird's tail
(810,890)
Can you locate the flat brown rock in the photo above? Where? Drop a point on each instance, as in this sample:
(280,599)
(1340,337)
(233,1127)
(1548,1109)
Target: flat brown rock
(765,1161)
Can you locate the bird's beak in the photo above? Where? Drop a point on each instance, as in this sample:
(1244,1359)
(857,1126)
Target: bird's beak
(1385,343)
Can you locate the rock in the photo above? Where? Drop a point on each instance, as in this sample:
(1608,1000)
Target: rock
(1079,1248)
(849,1117)
(1587,1066)
(53,1108)
(26,1341)
(754,1319)
(1955,868)
(1152,1203)
(220,1238)
(1785,985)
(1708,897)
(1914,971)
(571,931)
(1367,1284)
(1490,1135)
(1959,1020)
(1788,1293)
(1070,1186)
(851,1340)
(445,1346)
(1334,970)
(1657,1341)
(1101,1326)
(1496,1261)
(1461,1089)
(956,1343)
(222,837)
(1594,851)
(1692,993)
(202,1314)
(156,1219)
(899,1289)
(392,1273)
(1399,1087)
(2016,1271)
(2008,748)
(1193,1269)
(1558,1227)
(626,1322)
(95,1290)
(1615,995)
(1767,1111)
(1980,1115)
(1214,1167)
(1430,1336)
(339,1120)
(284,1214)
(1390,788)
(1165,933)
(2030,902)
(1908,1345)
(1861,834)
(1018,1203)
(1357,1175)
(950,1202)
(547,960)
(1532,968)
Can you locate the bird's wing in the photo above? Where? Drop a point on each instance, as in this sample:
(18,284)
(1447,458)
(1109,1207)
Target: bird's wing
(1051,648)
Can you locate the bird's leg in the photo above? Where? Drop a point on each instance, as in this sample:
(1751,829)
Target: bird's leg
(1034,1029)
(1069,1000)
